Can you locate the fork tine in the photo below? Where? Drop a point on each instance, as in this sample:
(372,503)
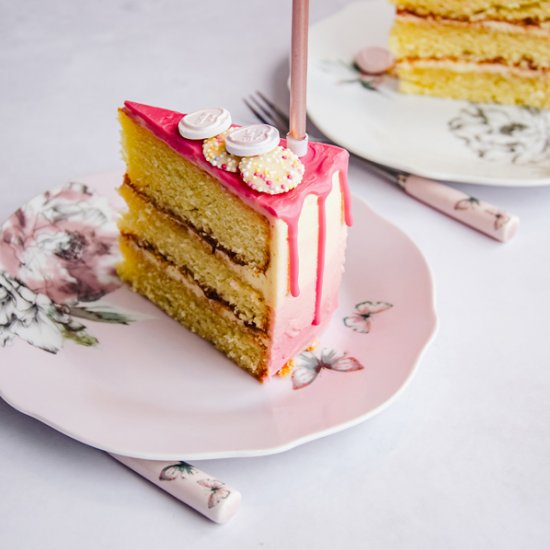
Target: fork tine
(268,115)
(274,108)
(274,120)
(255,111)
(279,120)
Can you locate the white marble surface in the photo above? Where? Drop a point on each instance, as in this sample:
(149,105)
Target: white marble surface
(461,460)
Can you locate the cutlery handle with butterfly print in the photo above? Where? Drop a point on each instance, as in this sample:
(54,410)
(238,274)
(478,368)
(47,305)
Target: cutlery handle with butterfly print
(480,215)
(211,497)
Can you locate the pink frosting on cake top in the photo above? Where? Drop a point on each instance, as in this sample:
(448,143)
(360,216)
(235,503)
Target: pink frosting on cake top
(320,163)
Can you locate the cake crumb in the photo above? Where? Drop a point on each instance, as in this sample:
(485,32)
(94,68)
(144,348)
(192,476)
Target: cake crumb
(287,368)
(312,346)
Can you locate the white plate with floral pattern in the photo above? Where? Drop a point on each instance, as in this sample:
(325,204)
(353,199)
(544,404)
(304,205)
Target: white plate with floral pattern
(435,138)
(99,363)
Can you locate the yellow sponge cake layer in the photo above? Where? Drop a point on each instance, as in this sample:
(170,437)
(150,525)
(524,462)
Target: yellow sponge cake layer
(197,198)
(499,10)
(180,297)
(516,45)
(213,271)
(475,82)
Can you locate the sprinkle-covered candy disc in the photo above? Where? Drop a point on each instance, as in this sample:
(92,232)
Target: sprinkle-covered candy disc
(275,172)
(205,123)
(216,154)
(252,140)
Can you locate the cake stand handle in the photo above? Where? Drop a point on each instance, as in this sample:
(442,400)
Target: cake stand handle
(209,496)
(480,215)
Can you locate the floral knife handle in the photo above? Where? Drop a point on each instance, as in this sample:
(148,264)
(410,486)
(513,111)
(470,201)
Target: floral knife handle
(212,498)
(471,211)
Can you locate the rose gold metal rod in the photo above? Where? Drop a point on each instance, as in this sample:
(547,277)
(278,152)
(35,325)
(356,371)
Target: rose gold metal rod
(298,72)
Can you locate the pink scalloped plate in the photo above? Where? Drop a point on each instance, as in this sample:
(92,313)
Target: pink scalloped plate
(99,363)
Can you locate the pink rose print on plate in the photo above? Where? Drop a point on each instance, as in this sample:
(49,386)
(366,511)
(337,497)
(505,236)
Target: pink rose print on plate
(62,244)
(57,256)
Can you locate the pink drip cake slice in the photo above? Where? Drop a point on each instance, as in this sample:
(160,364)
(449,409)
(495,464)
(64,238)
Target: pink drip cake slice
(254,270)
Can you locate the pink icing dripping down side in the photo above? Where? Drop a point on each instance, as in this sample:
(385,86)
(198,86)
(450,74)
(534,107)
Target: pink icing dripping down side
(344,188)
(294,261)
(321,246)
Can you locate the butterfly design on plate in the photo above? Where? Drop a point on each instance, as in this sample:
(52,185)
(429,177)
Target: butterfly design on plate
(218,491)
(467,204)
(360,319)
(173,471)
(309,365)
(501,218)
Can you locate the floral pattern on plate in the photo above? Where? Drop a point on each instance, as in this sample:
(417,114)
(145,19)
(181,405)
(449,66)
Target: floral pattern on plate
(360,319)
(350,73)
(494,133)
(57,257)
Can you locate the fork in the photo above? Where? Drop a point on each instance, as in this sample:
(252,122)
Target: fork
(475,213)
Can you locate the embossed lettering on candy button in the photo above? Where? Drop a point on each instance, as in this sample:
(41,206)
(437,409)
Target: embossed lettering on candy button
(249,141)
(205,123)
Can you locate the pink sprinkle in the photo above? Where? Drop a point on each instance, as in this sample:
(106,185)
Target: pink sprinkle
(224,166)
(284,157)
(288,177)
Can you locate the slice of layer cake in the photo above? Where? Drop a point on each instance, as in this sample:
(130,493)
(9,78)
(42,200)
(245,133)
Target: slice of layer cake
(257,274)
(480,50)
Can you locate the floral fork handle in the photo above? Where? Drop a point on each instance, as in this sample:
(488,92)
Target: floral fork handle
(480,215)
(211,497)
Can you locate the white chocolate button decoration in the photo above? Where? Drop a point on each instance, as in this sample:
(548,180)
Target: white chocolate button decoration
(374,60)
(277,171)
(252,140)
(216,154)
(205,123)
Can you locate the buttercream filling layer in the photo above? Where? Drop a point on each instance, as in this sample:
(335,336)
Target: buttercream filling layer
(209,239)
(488,66)
(172,292)
(519,25)
(185,276)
